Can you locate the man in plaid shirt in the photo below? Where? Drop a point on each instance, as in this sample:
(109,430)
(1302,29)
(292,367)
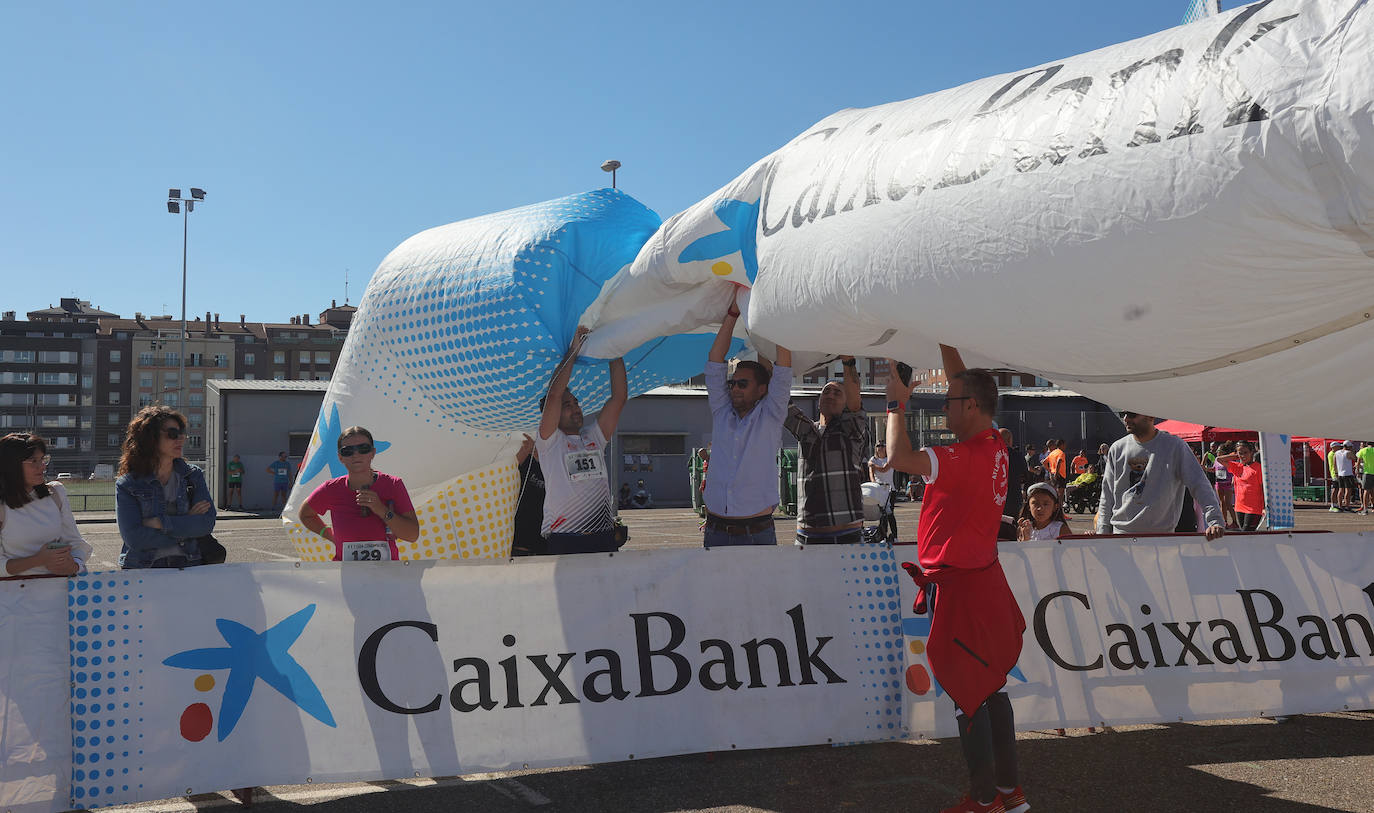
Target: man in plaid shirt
(833,465)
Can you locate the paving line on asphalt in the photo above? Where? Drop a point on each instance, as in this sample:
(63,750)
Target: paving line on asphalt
(280,556)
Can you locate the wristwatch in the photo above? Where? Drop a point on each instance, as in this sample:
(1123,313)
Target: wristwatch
(388,516)
(896,406)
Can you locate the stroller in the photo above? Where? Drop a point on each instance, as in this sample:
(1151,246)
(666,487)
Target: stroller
(876,496)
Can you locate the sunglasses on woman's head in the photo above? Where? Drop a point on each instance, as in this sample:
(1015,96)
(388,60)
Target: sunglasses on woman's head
(360,448)
(173,432)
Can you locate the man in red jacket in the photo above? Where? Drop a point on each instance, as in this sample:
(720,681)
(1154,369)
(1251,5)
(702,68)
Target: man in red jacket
(976,626)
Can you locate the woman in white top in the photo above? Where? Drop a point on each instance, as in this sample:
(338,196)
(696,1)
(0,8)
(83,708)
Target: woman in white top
(38,534)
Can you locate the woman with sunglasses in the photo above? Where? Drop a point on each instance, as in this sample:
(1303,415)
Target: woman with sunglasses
(38,534)
(159,522)
(368,511)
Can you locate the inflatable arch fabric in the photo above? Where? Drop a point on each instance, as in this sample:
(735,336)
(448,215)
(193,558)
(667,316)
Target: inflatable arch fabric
(1181,225)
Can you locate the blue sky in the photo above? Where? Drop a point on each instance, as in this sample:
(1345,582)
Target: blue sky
(327,133)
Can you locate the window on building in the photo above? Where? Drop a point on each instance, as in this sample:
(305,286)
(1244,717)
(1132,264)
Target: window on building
(87,381)
(250,359)
(304,357)
(112,418)
(321,356)
(116,356)
(145,359)
(87,400)
(145,400)
(23,357)
(86,423)
(196,419)
(114,397)
(196,379)
(194,442)
(86,443)
(278,356)
(195,399)
(220,376)
(112,439)
(171,381)
(145,380)
(653,444)
(194,359)
(55,399)
(16,378)
(122,335)
(171,399)
(221,360)
(114,376)
(249,377)
(171,359)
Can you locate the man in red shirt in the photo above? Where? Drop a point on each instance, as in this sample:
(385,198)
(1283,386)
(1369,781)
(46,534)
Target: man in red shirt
(976,626)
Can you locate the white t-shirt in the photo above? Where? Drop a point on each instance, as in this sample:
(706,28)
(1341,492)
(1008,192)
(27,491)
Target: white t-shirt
(1345,464)
(884,477)
(577,493)
(25,531)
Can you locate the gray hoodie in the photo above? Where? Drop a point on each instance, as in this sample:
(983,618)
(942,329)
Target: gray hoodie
(1142,488)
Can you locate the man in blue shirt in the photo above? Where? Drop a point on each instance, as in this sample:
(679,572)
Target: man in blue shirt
(746,434)
(281,479)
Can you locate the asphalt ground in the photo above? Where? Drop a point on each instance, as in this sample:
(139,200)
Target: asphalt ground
(1307,763)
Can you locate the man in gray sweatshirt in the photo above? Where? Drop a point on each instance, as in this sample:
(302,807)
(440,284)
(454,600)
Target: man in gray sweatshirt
(1142,487)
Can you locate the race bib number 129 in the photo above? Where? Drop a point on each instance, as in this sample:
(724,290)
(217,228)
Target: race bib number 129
(366,552)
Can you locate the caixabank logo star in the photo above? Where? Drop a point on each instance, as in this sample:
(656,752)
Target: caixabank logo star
(249,657)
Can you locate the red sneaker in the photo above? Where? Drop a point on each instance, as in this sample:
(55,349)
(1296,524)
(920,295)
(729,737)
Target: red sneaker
(1015,801)
(968,805)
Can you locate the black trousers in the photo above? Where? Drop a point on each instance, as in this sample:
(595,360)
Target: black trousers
(989,741)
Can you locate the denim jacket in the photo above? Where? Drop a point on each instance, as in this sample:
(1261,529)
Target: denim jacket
(140,497)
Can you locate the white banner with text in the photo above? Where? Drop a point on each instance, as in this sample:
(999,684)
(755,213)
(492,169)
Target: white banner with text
(260,674)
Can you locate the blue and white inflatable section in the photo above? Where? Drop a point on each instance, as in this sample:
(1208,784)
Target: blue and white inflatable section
(453,344)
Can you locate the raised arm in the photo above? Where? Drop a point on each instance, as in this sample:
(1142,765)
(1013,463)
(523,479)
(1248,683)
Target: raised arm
(553,400)
(900,455)
(620,394)
(853,398)
(784,358)
(721,345)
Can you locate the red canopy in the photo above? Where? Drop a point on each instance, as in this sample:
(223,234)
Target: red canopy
(1194,432)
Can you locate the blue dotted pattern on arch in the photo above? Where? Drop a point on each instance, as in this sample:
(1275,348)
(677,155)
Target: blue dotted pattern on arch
(103,618)
(870,577)
(465,337)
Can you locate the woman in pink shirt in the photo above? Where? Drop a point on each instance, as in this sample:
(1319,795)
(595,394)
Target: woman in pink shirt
(368,511)
(1249,479)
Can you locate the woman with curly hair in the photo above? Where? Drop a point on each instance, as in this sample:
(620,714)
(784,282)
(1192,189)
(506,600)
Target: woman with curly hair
(159,522)
(38,534)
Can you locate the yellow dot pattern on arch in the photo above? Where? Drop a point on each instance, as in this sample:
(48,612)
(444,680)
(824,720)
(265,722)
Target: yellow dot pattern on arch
(471,517)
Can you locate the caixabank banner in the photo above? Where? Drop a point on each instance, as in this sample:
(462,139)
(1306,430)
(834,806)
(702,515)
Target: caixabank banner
(213,678)
(1122,631)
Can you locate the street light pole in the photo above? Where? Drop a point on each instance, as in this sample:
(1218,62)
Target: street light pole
(176,203)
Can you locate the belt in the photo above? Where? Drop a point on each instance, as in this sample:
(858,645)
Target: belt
(844,538)
(739,527)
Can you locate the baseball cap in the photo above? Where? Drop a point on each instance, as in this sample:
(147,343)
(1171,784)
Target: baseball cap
(1042,487)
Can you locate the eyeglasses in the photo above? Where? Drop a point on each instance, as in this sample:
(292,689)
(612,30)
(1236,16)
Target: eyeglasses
(360,448)
(173,432)
(738,382)
(1125,415)
(41,461)
(949,400)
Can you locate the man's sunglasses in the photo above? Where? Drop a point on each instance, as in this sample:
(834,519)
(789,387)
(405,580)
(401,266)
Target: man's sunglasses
(360,448)
(173,432)
(738,382)
(1125,415)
